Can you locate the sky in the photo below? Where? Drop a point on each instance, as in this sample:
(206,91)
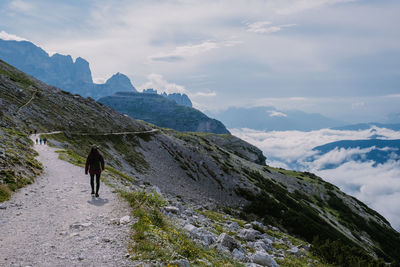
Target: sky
(340,58)
(377,185)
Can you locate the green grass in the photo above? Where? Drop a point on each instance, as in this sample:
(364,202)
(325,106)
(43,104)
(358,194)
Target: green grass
(5,193)
(18,166)
(18,77)
(157,238)
(292,261)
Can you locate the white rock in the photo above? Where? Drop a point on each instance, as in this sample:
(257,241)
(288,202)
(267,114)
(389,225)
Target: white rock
(295,251)
(172,209)
(156,189)
(190,228)
(80,226)
(267,241)
(249,234)
(228,242)
(252,264)
(206,236)
(263,259)
(239,255)
(247,226)
(259,225)
(181,263)
(125,220)
(260,246)
(233,226)
(305,247)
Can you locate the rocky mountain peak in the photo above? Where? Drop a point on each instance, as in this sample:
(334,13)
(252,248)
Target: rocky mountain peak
(120,81)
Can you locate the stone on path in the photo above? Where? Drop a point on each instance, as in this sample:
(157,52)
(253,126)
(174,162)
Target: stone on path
(125,220)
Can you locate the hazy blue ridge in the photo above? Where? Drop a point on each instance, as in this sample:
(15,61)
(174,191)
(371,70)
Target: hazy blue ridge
(366,126)
(162,111)
(271,119)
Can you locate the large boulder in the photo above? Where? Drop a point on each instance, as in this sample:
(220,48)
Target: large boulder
(264,259)
(249,234)
(228,242)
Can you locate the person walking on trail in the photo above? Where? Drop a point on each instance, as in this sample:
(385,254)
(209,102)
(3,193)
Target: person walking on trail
(37,141)
(44,140)
(94,165)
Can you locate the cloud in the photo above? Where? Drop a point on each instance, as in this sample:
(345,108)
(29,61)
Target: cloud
(182,52)
(377,185)
(6,36)
(334,157)
(297,6)
(20,5)
(157,81)
(266,27)
(204,94)
(274,113)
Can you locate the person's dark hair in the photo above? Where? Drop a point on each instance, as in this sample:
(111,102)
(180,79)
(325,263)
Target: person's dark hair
(94,154)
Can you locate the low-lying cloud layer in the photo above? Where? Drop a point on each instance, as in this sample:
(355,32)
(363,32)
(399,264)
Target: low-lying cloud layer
(377,185)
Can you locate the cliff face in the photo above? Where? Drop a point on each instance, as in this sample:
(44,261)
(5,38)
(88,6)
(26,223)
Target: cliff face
(60,70)
(199,168)
(163,112)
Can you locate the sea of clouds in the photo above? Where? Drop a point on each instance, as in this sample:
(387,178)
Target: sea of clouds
(377,185)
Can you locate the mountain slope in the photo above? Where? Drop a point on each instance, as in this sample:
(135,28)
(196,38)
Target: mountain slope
(198,168)
(161,111)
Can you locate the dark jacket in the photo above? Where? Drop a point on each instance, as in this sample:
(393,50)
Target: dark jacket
(94,163)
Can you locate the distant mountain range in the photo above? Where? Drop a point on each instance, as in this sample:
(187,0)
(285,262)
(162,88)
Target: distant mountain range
(377,150)
(271,119)
(162,111)
(366,126)
(166,110)
(62,72)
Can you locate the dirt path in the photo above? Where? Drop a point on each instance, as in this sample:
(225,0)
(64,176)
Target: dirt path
(98,134)
(56,222)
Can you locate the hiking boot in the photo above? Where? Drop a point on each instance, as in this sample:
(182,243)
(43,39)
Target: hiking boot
(97,194)
(92,193)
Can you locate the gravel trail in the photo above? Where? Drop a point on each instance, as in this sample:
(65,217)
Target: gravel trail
(56,222)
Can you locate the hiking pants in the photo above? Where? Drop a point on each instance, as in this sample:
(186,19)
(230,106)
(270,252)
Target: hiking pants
(97,182)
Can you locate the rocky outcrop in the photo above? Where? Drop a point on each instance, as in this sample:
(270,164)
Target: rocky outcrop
(180,99)
(60,70)
(163,112)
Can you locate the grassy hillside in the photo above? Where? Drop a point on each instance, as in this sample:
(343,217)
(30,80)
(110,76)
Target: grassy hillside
(212,171)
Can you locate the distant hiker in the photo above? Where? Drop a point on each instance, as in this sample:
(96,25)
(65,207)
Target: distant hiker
(37,141)
(41,141)
(94,164)
(35,131)
(44,140)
